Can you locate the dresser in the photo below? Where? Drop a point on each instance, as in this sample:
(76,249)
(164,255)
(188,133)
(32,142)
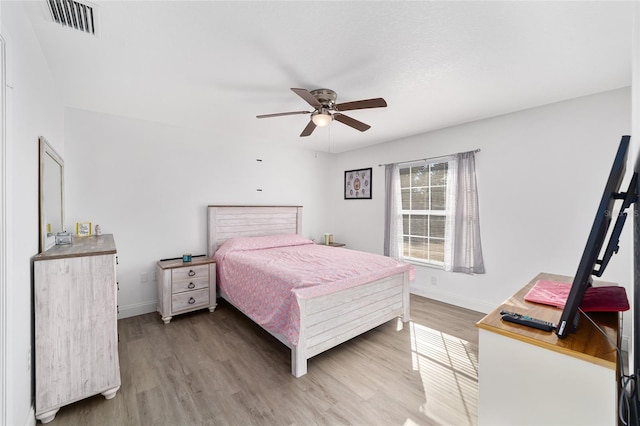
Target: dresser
(76,332)
(186,286)
(531,377)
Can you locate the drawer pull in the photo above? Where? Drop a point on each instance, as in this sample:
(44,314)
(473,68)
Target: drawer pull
(191,272)
(192,300)
(191,285)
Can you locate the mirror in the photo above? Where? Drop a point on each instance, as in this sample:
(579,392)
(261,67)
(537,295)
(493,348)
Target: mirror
(51,190)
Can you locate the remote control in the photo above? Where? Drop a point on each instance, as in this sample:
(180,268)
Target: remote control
(528,321)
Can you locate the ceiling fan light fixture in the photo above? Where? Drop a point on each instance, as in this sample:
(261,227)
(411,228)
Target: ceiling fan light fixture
(325,109)
(321,118)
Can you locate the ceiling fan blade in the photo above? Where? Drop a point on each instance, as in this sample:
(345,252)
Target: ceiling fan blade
(307,96)
(279,114)
(309,129)
(358,125)
(366,103)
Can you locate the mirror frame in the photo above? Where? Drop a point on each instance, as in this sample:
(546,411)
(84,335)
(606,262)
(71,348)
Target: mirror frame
(48,241)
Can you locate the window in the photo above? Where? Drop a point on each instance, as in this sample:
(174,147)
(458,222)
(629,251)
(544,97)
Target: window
(431,213)
(423,190)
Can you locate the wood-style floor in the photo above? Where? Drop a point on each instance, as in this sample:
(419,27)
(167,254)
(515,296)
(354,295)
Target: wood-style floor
(221,369)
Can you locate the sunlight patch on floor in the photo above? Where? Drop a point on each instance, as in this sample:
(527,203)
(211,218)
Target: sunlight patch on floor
(449,372)
(410,422)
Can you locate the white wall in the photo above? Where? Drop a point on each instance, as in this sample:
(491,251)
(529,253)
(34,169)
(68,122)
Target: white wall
(540,176)
(149,185)
(34,109)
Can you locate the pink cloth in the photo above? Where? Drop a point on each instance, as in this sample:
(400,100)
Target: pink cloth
(595,299)
(263,275)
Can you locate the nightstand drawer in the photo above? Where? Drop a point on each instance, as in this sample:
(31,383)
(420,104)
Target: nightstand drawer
(189,300)
(192,284)
(190,272)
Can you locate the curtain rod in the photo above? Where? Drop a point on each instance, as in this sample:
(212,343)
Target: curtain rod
(427,159)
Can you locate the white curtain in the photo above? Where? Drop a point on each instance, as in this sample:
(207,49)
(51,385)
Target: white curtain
(463,251)
(393,213)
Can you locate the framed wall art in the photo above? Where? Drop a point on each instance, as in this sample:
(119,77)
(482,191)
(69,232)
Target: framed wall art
(357,184)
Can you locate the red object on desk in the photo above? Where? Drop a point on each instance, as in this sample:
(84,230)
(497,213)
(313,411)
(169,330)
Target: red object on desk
(595,299)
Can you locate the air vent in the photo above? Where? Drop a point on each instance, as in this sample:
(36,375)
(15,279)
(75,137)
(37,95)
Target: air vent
(81,16)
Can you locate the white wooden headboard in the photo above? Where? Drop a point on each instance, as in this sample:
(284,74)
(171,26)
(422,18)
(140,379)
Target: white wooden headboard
(224,222)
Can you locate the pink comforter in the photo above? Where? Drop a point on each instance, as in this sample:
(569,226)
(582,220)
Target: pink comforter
(263,275)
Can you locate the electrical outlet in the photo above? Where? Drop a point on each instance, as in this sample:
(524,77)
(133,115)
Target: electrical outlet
(144,277)
(434,280)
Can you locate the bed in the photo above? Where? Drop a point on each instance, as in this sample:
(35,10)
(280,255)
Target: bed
(319,319)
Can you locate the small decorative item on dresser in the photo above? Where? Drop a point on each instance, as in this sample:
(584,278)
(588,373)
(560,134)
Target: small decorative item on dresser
(98,230)
(186,257)
(83,229)
(63,237)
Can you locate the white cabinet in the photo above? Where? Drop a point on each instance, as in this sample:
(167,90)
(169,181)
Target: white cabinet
(76,332)
(186,286)
(531,377)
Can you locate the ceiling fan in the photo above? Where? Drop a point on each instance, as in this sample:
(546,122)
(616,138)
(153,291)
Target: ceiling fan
(326,109)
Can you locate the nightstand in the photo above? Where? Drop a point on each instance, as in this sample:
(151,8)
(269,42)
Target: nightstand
(332,244)
(186,286)
(335,244)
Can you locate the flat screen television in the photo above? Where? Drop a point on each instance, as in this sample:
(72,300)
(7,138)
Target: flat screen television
(590,263)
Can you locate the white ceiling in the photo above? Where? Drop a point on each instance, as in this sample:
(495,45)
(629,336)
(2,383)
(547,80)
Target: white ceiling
(216,65)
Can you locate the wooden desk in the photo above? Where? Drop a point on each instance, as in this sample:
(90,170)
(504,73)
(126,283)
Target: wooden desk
(528,376)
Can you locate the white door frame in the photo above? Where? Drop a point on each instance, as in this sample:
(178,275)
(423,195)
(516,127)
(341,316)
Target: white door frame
(3,235)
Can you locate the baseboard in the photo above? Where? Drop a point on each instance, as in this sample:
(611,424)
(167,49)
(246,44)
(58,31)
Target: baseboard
(137,309)
(454,299)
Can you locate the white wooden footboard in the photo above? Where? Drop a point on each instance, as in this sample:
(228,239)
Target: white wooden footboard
(326,321)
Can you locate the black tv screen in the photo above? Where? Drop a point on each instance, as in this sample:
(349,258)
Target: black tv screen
(590,264)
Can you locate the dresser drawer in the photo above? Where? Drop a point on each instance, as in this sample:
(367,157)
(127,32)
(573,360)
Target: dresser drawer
(189,273)
(189,300)
(192,284)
